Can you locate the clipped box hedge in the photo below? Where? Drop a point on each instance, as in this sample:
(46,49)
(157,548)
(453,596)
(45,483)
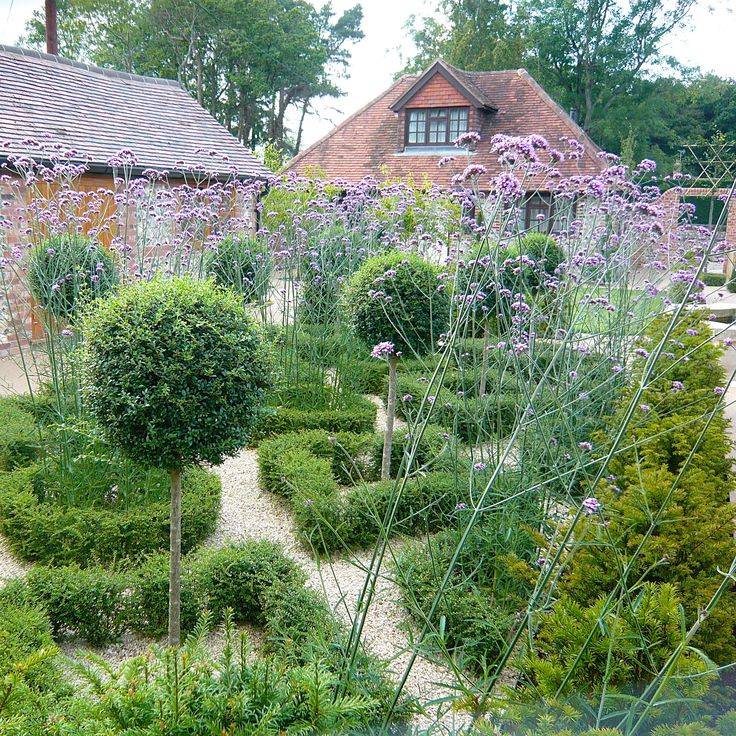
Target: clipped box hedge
(301,467)
(357,417)
(53,534)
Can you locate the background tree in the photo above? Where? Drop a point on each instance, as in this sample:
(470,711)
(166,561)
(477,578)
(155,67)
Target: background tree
(250,63)
(176,374)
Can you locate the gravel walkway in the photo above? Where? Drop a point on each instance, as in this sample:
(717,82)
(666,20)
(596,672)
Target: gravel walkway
(250,513)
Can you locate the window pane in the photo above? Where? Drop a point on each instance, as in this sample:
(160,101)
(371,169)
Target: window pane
(438,126)
(416,132)
(458,122)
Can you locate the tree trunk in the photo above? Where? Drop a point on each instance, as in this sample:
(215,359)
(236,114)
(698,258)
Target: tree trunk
(175,562)
(484,359)
(200,78)
(388,436)
(298,144)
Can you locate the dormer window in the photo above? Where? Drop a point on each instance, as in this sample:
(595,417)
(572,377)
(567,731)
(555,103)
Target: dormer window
(435,126)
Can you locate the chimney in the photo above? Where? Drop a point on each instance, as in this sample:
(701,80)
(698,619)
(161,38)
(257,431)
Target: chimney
(52,39)
(574,114)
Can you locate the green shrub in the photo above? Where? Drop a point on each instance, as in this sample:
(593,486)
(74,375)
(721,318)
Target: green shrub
(434,449)
(694,531)
(67,271)
(543,250)
(357,418)
(19,435)
(492,578)
(242,264)
(25,631)
(411,311)
(88,603)
(175,372)
(714,279)
(239,577)
(148,601)
(50,533)
(236,577)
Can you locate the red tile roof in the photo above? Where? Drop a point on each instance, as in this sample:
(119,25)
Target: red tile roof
(368,143)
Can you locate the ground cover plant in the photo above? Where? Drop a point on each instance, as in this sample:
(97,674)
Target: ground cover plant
(551,509)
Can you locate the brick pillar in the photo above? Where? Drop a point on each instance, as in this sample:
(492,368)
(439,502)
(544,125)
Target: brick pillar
(671,214)
(730,243)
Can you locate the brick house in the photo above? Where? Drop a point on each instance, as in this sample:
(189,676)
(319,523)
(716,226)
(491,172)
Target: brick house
(402,133)
(99,112)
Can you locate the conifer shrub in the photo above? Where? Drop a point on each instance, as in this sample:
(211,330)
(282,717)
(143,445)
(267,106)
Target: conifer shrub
(26,644)
(693,518)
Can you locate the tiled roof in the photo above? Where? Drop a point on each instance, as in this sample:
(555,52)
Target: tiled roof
(367,142)
(98,112)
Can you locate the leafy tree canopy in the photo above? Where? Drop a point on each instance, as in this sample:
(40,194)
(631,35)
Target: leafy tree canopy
(249,62)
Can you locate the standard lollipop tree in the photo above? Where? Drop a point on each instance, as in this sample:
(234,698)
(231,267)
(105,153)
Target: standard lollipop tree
(396,303)
(175,375)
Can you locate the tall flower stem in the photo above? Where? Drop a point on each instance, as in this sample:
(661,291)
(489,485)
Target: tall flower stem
(388,437)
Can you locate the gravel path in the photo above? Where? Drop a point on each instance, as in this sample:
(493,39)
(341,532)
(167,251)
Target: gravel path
(250,513)
(10,566)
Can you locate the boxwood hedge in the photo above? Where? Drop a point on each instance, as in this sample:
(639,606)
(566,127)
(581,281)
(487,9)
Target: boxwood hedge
(308,467)
(43,531)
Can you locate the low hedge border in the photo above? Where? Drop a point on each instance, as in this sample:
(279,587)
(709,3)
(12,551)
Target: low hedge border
(357,417)
(19,435)
(56,535)
(307,468)
(254,579)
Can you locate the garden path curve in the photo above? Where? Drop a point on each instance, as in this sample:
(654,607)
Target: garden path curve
(247,512)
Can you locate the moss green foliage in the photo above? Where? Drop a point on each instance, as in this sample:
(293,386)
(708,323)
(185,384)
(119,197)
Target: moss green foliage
(294,686)
(693,519)
(638,635)
(306,468)
(243,264)
(410,311)
(714,279)
(175,372)
(19,436)
(89,603)
(24,630)
(237,577)
(67,271)
(43,529)
(188,691)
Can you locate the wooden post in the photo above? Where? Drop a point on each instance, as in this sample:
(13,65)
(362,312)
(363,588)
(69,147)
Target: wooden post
(388,436)
(52,38)
(175,560)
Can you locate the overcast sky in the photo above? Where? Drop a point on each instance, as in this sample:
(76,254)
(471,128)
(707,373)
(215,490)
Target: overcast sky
(709,42)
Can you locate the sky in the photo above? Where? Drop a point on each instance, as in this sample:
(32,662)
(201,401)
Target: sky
(708,42)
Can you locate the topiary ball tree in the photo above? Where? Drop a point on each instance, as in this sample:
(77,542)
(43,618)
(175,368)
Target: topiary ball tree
(396,303)
(176,374)
(67,271)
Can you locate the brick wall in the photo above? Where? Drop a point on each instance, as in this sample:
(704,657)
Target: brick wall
(438,92)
